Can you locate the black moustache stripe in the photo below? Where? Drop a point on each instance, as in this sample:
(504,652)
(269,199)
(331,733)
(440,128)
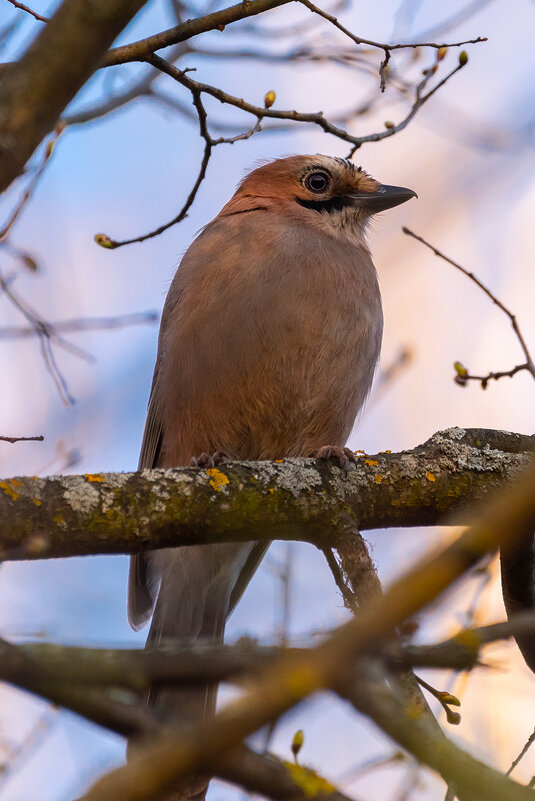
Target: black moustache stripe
(331,206)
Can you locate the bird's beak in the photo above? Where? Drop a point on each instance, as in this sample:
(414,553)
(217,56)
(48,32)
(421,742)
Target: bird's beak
(386,197)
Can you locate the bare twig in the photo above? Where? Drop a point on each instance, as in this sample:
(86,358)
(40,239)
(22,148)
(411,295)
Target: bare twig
(26,195)
(529,742)
(28,10)
(145,48)
(141,50)
(197,89)
(338,576)
(47,335)
(83,324)
(39,438)
(387,47)
(463,376)
(209,143)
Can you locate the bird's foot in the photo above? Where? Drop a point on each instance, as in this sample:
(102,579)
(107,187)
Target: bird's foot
(207,460)
(343,456)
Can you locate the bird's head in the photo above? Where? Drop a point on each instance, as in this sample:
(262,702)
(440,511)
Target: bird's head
(332,193)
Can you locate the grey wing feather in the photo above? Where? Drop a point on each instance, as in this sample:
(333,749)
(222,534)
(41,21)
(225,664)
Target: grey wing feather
(142,591)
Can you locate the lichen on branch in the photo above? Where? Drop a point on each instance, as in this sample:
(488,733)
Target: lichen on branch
(291,499)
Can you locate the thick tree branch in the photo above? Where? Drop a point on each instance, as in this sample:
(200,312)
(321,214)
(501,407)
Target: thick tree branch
(36,89)
(291,499)
(332,664)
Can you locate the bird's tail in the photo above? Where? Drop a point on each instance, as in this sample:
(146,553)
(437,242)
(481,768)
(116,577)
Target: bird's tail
(196,593)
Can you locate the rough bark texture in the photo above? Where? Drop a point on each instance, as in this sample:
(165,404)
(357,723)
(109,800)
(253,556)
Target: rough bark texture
(292,499)
(36,89)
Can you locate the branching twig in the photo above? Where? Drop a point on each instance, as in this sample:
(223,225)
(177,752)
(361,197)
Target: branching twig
(47,335)
(197,89)
(387,48)
(462,374)
(209,143)
(139,51)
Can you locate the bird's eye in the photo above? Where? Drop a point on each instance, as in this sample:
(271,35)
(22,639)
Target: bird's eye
(317,182)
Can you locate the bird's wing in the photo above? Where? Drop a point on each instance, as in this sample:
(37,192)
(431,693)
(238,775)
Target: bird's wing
(142,591)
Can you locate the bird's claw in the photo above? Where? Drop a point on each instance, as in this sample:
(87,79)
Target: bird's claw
(209,460)
(343,456)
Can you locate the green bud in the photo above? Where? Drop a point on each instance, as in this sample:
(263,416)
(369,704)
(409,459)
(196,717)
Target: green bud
(297,742)
(453,717)
(104,241)
(448,698)
(463,58)
(269,98)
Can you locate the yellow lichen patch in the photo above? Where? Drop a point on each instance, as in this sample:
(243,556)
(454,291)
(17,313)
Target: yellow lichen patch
(372,462)
(310,782)
(58,519)
(37,502)
(301,681)
(414,711)
(430,476)
(271,490)
(470,639)
(383,452)
(217,478)
(95,478)
(9,488)
(378,479)
(279,461)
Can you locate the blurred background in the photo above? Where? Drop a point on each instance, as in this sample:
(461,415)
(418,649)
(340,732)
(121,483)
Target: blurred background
(468,154)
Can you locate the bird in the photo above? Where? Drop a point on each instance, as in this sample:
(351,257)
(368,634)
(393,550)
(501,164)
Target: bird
(269,339)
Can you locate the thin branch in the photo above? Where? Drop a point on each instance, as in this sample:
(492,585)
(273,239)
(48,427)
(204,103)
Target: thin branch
(209,143)
(529,742)
(28,10)
(39,438)
(144,48)
(46,335)
(337,574)
(28,192)
(83,324)
(462,374)
(106,242)
(317,118)
(387,47)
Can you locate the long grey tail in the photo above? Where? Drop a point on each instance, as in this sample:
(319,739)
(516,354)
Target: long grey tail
(197,587)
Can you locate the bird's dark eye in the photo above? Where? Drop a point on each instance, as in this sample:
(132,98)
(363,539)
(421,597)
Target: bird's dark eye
(317,182)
